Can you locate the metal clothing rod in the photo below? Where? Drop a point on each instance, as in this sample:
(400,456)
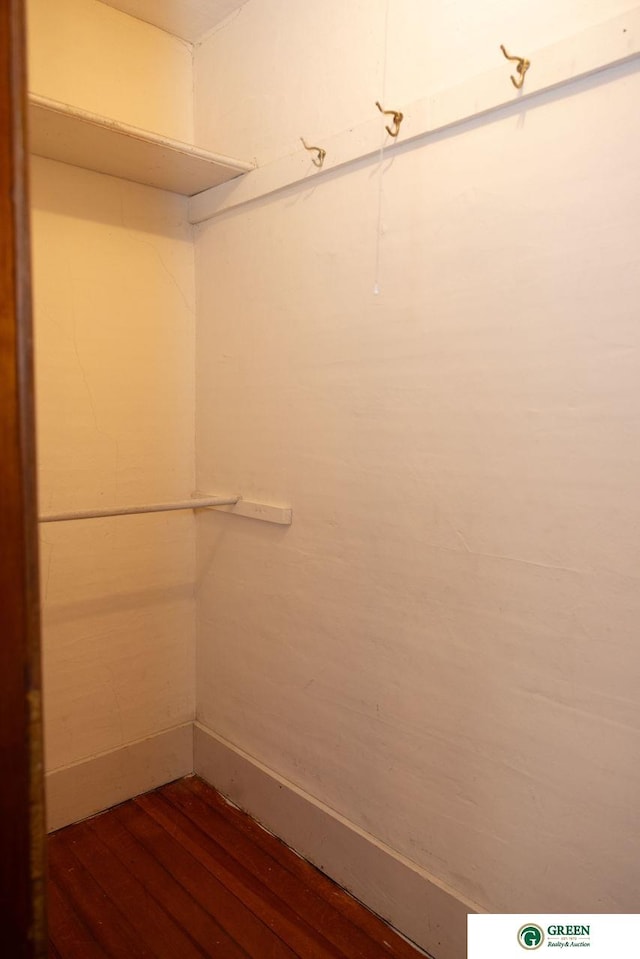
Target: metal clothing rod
(130,510)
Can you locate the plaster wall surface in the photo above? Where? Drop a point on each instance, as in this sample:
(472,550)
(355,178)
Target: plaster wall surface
(443,647)
(87,54)
(114,335)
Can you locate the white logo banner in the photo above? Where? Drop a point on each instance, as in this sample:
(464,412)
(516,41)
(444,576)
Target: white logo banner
(561,936)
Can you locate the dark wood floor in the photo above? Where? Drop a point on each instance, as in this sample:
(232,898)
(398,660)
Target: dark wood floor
(181,874)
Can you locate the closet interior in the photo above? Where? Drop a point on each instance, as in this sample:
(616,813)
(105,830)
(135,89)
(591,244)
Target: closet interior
(335,331)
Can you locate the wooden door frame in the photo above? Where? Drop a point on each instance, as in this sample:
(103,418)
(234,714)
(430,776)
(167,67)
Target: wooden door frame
(22,838)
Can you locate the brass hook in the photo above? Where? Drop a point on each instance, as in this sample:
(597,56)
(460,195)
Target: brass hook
(397,120)
(319,160)
(523,66)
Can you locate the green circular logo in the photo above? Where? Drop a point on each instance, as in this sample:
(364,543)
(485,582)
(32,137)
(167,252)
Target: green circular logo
(530,936)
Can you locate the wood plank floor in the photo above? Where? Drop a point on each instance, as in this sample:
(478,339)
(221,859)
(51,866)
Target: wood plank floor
(181,874)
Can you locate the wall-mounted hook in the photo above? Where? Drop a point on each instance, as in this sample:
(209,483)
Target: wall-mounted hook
(523,66)
(319,160)
(397,120)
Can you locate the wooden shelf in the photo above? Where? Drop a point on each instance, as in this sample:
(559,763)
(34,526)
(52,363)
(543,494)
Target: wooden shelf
(62,132)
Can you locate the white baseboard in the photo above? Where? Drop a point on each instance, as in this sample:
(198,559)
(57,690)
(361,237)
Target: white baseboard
(414,902)
(85,788)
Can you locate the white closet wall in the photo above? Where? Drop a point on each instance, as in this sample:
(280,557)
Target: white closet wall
(85,53)
(442,649)
(114,313)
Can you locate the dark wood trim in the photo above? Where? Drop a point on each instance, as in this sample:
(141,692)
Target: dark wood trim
(21,790)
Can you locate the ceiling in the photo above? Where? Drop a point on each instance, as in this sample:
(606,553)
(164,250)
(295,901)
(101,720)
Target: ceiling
(189,19)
